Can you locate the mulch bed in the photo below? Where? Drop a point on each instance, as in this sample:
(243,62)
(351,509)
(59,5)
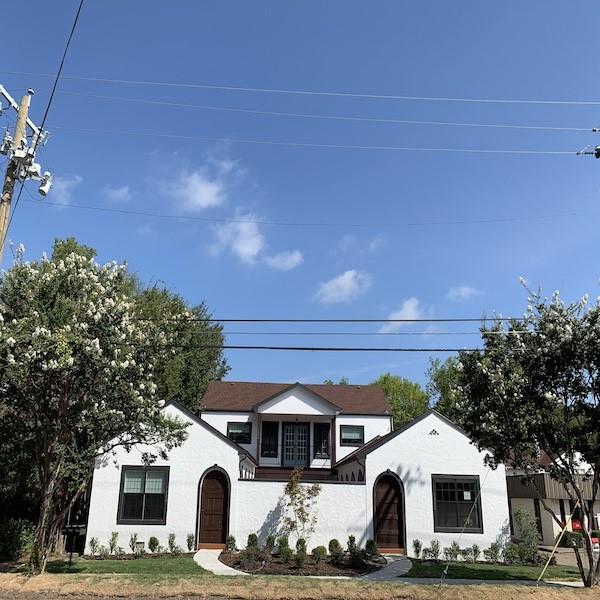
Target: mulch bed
(146,555)
(274,566)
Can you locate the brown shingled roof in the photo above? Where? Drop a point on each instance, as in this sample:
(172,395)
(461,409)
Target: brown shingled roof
(244,396)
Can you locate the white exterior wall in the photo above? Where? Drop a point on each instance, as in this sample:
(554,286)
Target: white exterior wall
(374,425)
(415,455)
(297,401)
(201,450)
(219,421)
(340,512)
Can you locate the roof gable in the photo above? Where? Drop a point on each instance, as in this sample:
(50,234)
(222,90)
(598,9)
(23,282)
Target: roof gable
(297,399)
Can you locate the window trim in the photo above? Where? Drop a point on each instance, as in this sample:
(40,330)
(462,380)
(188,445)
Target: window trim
(122,521)
(249,423)
(457,478)
(262,446)
(320,455)
(348,426)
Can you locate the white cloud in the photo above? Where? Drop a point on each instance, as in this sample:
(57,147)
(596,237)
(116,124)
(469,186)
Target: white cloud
(63,187)
(409,309)
(118,194)
(285,261)
(346,243)
(344,288)
(462,293)
(196,190)
(241,237)
(377,242)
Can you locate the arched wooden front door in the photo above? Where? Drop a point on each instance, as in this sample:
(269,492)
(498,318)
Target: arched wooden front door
(389,513)
(214,508)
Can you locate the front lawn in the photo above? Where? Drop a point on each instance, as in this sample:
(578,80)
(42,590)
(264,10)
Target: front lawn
(182,565)
(461,570)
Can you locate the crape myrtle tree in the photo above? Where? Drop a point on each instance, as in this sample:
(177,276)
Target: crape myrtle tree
(77,377)
(535,387)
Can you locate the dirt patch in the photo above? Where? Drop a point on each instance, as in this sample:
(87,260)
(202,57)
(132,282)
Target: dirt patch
(273,565)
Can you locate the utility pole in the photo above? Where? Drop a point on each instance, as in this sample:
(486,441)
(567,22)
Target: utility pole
(591,150)
(21,164)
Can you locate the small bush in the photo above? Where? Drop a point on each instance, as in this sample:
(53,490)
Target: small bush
(351,544)
(417,547)
(452,552)
(285,554)
(571,539)
(153,544)
(94,546)
(16,538)
(251,558)
(113,542)
(133,538)
(282,543)
(467,554)
(476,552)
(230,543)
(270,543)
(190,541)
(433,552)
(301,545)
(300,559)
(173,547)
(371,548)
(492,554)
(336,551)
(103,551)
(120,552)
(319,553)
(252,541)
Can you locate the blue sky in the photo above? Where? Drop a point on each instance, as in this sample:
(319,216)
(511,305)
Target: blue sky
(469,49)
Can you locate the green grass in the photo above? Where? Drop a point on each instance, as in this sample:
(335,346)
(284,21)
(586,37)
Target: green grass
(460,570)
(140,566)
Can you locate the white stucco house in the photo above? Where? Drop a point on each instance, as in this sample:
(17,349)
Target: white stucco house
(424,481)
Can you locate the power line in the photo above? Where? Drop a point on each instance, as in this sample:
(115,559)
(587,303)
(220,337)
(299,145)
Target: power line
(232,88)
(361,333)
(416,320)
(325,117)
(317,348)
(141,213)
(314,145)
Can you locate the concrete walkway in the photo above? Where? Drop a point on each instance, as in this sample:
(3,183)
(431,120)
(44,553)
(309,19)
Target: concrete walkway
(209,560)
(397,567)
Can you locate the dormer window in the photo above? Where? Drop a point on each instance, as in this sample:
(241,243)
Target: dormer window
(240,433)
(352,435)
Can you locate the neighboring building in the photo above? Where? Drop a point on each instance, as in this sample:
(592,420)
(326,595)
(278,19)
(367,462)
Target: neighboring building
(424,481)
(523,495)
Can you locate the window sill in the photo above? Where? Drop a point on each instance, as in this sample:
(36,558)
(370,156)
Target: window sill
(140,522)
(457,530)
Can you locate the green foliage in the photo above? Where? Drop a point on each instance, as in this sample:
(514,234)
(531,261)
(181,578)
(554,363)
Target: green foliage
(467,554)
(301,545)
(371,548)
(492,554)
(417,547)
(230,543)
(351,545)
(336,551)
(103,552)
(252,541)
(285,554)
(407,399)
(94,545)
(251,558)
(270,543)
(190,541)
(528,537)
(300,558)
(452,551)
(113,542)
(319,553)
(16,537)
(282,542)
(62,248)
(153,544)
(571,539)
(172,544)
(476,552)
(300,502)
(133,540)
(433,552)
(441,387)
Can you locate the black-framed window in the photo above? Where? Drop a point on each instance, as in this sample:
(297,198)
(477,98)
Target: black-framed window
(143,495)
(269,439)
(239,432)
(321,440)
(456,503)
(352,435)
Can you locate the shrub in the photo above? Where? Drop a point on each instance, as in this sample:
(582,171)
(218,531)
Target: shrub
(319,553)
(103,551)
(113,542)
(16,537)
(571,539)
(300,559)
(120,552)
(285,554)
(230,543)
(476,552)
(301,545)
(336,551)
(133,538)
(492,554)
(251,558)
(467,554)
(528,541)
(94,546)
(270,543)
(282,543)
(190,541)
(371,548)
(452,552)
(435,549)
(351,544)
(252,541)
(173,547)
(153,544)
(417,547)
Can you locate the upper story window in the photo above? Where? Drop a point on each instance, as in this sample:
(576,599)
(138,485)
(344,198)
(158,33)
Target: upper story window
(269,439)
(456,503)
(240,433)
(352,435)
(143,496)
(321,440)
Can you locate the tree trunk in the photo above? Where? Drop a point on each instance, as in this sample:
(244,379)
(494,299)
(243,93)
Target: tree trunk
(39,549)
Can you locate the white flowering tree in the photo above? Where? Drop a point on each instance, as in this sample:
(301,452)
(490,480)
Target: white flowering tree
(536,387)
(76,377)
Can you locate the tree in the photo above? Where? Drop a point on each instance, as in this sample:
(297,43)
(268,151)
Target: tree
(77,377)
(443,377)
(535,387)
(300,501)
(407,398)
